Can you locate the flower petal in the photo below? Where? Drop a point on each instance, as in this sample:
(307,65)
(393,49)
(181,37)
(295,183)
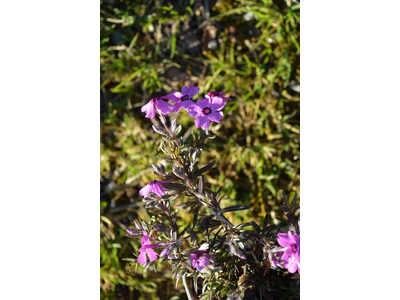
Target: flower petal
(194,111)
(145,240)
(177,106)
(193,259)
(163,107)
(149,109)
(187,104)
(194,90)
(284,240)
(158,190)
(217,103)
(174,96)
(185,90)
(202,262)
(152,254)
(216,116)
(202,121)
(142,259)
(297,256)
(204,102)
(291,265)
(287,254)
(145,191)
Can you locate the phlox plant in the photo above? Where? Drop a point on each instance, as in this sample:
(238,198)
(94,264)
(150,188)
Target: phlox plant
(214,258)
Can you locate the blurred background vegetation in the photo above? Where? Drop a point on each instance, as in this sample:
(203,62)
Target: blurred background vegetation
(251,49)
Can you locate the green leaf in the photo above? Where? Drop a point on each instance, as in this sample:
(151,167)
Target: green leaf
(173,45)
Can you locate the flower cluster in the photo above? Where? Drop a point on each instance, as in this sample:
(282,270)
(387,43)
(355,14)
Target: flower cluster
(209,243)
(204,111)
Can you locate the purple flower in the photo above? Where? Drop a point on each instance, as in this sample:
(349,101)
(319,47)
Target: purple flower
(291,254)
(201,259)
(155,187)
(146,249)
(154,104)
(211,95)
(183,99)
(206,111)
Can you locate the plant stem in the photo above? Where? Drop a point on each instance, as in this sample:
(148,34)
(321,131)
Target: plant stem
(189,291)
(163,121)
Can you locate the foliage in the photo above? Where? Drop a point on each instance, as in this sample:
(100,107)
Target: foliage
(148,48)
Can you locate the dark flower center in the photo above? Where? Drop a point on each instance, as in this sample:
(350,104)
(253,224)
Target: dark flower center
(213,94)
(184,98)
(152,182)
(207,110)
(294,247)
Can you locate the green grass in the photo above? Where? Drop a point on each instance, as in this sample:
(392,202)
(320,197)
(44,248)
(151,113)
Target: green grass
(152,47)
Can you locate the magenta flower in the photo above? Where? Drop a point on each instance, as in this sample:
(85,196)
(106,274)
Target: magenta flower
(211,95)
(146,249)
(201,259)
(183,99)
(206,111)
(154,186)
(291,254)
(156,104)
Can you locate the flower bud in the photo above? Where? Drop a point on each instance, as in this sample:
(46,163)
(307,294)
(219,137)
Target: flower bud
(133,232)
(160,227)
(158,169)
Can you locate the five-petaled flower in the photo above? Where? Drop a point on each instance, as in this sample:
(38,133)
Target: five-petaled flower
(201,259)
(183,99)
(212,95)
(291,254)
(146,249)
(156,104)
(154,186)
(206,110)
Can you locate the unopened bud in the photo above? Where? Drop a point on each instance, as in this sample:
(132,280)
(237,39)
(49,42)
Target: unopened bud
(160,227)
(133,232)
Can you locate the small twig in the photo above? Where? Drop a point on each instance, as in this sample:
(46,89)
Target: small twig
(163,121)
(189,291)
